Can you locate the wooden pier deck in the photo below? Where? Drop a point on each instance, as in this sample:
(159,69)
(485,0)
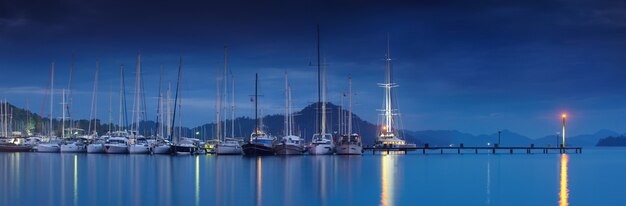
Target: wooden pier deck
(476,149)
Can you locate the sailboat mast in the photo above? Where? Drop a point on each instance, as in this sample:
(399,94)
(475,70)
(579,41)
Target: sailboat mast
(51,98)
(349,106)
(180,67)
(286,121)
(94,100)
(388,85)
(110,106)
(232,106)
(63,116)
(120,114)
(169,110)
(256,104)
(224,99)
(69,87)
(324,98)
(137,100)
(159,125)
(319,95)
(218,118)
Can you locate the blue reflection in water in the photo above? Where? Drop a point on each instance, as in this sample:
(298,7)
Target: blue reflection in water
(100,179)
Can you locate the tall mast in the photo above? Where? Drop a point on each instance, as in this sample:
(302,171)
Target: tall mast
(169,110)
(120,114)
(349,106)
(256,104)
(232,106)
(180,67)
(223,99)
(324,98)
(69,87)
(218,118)
(286,121)
(137,103)
(319,88)
(388,85)
(110,106)
(51,98)
(94,100)
(63,115)
(160,105)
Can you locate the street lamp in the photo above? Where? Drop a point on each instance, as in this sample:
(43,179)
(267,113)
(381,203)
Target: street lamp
(499,131)
(564,116)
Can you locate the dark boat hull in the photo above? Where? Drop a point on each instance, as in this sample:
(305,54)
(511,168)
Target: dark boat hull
(15,148)
(183,149)
(257,150)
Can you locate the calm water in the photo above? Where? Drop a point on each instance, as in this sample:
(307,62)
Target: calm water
(596,177)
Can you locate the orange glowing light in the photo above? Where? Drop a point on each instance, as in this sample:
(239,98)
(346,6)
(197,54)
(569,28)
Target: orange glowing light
(564,116)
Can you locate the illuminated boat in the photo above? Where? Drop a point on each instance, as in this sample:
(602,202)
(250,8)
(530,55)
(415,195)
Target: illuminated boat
(388,136)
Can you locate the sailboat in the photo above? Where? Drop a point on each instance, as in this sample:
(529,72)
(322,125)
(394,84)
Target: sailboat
(322,142)
(162,146)
(52,146)
(259,143)
(350,143)
(228,146)
(117,142)
(182,145)
(96,145)
(137,142)
(71,145)
(388,136)
(290,144)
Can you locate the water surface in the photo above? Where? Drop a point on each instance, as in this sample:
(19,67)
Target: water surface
(595,177)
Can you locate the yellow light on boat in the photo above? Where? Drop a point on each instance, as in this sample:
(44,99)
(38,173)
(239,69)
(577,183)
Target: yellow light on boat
(384,128)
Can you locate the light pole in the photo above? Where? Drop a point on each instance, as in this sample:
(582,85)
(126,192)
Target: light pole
(564,116)
(499,131)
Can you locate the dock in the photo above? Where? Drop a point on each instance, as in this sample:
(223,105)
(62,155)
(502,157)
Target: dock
(426,149)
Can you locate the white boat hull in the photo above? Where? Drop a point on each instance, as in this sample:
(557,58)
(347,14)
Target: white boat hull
(95,148)
(228,150)
(73,148)
(51,148)
(162,149)
(289,149)
(321,149)
(138,149)
(349,149)
(115,149)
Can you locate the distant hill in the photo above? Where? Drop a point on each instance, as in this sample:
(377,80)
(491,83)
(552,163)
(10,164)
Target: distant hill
(618,141)
(447,137)
(305,124)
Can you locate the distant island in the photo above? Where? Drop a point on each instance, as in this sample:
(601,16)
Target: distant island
(618,141)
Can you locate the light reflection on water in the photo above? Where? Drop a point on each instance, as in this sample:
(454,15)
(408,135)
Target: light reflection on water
(564,190)
(87,179)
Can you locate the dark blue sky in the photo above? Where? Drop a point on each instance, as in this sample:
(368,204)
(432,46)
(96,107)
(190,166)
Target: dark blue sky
(474,66)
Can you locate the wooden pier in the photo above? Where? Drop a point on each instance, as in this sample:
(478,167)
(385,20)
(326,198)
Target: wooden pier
(426,149)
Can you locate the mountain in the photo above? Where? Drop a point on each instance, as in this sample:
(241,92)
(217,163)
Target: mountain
(578,140)
(448,137)
(618,141)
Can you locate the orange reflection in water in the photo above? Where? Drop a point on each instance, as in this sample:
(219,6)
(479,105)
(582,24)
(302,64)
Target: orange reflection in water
(564,191)
(387,180)
(259,180)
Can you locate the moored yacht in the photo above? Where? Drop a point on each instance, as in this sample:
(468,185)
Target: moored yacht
(321,142)
(289,144)
(117,143)
(388,136)
(349,143)
(52,146)
(74,145)
(138,145)
(185,146)
(230,146)
(162,146)
(259,144)
(96,146)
